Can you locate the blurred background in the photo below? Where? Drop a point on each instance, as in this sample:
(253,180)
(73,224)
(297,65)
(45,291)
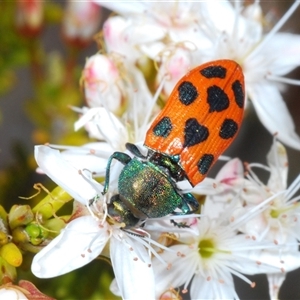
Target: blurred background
(41,60)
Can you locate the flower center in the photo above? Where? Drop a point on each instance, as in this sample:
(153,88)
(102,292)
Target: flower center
(276,212)
(206,248)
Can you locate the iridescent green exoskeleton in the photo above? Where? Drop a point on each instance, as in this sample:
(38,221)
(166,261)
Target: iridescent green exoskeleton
(147,188)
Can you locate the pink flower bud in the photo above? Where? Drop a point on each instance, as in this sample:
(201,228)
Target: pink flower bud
(81,21)
(102,83)
(175,62)
(29,17)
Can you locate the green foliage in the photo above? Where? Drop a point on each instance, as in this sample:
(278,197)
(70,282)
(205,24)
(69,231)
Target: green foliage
(13,52)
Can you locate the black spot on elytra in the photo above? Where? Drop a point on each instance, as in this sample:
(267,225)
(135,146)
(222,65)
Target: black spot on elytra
(187,93)
(194,133)
(239,95)
(204,163)
(217,99)
(228,129)
(163,127)
(214,72)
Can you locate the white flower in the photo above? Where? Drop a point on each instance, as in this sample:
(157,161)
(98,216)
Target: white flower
(130,258)
(264,212)
(277,209)
(211,258)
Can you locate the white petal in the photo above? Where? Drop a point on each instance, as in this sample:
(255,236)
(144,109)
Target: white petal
(284,58)
(135,278)
(64,174)
(79,243)
(110,127)
(213,289)
(92,156)
(208,186)
(215,11)
(153,49)
(275,282)
(114,288)
(229,183)
(267,261)
(273,113)
(278,162)
(231,171)
(179,270)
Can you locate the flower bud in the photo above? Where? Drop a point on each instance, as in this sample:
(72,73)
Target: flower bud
(7,272)
(36,233)
(20,235)
(12,254)
(29,17)
(20,215)
(103,83)
(3,238)
(81,21)
(25,290)
(8,292)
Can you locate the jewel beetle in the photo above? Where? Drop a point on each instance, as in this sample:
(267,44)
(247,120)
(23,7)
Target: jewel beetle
(199,121)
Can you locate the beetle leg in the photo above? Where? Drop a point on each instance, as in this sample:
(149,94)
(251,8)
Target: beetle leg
(121,157)
(192,201)
(187,200)
(180,224)
(135,150)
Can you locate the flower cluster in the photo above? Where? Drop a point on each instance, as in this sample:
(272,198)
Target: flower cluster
(244,226)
